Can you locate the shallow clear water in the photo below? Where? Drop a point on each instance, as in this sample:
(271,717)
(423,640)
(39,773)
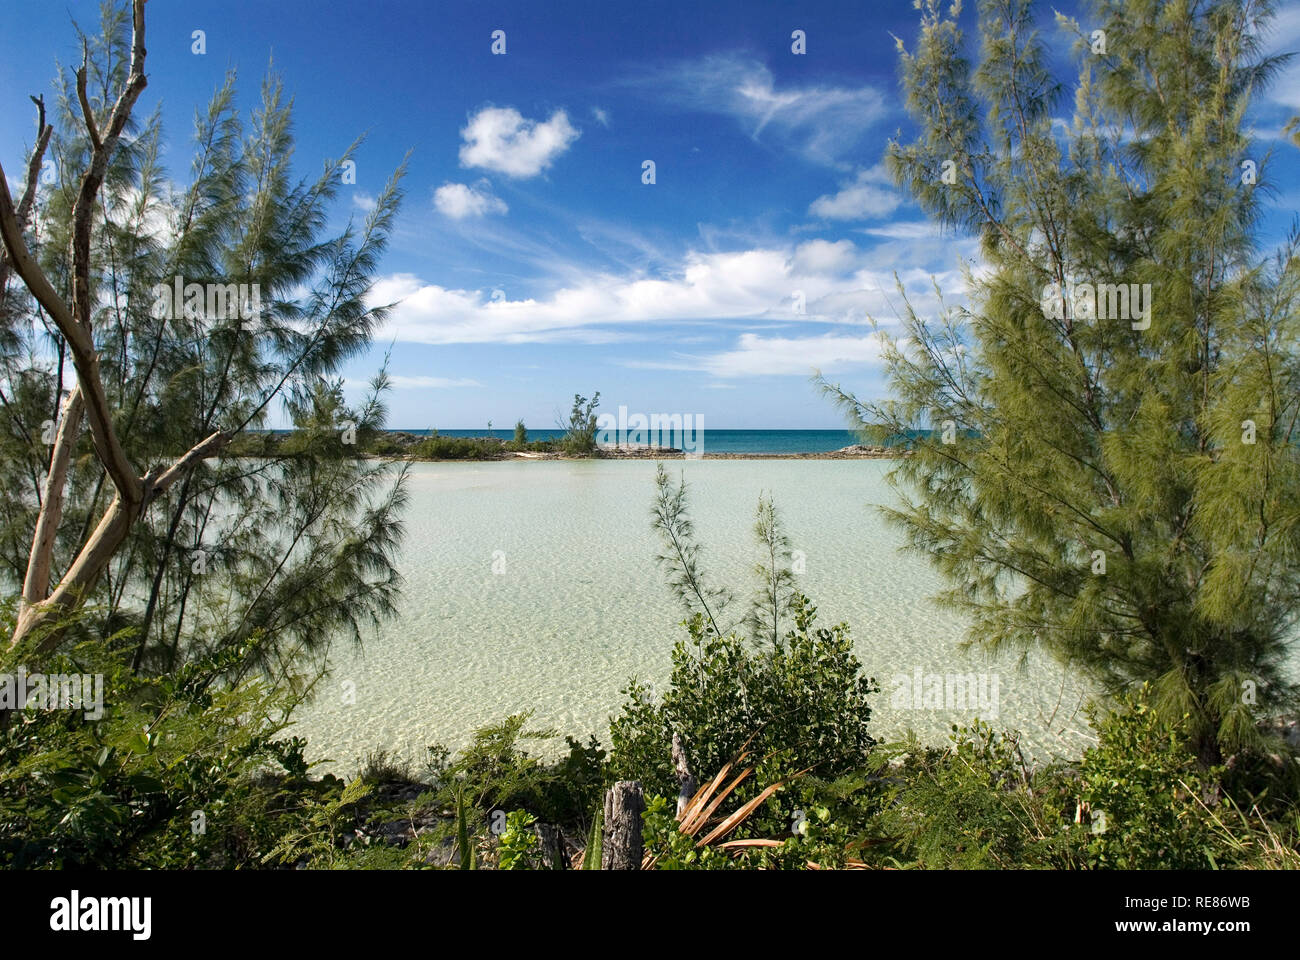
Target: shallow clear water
(579,606)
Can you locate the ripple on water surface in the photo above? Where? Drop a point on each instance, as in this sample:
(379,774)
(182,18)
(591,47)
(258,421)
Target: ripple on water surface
(578,605)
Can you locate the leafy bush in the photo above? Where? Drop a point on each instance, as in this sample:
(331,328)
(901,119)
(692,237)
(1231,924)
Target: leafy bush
(518,849)
(1136,800)
(1149,802)
(802,703)
(795,699)
(496,772)
(977,805)
(178,771)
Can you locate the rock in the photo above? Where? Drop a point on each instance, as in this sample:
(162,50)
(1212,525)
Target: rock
(862,450)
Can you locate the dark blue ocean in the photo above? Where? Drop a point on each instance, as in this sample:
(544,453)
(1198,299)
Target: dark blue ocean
(714,441)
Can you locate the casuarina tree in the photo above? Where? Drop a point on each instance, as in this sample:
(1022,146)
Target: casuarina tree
(150,331)
(1104,459)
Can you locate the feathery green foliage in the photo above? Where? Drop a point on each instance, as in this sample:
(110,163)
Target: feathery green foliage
(295,548)
(580,432)
(774,598)
(1121,489)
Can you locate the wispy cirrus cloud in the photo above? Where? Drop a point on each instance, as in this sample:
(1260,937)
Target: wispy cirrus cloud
(906,230)
(822,121)
(755,355)
(434,383)
(399,381)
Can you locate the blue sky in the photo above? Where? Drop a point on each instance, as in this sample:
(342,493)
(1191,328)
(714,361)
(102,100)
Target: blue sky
(530,259)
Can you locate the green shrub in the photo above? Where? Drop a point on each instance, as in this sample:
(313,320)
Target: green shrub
(1149,802)
(436,447)
(179,771)
(977,805)
(580,434)
(802,703)
(1136,800)
(496,772)
(518,844)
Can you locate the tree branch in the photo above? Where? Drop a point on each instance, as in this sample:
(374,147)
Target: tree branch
(86,112)
(84,358)
(43,133)
(75,323)
(209,447)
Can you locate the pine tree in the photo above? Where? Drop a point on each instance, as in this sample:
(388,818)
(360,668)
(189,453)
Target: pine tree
(1120,487)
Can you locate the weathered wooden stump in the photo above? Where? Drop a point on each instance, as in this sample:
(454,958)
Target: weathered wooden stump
(684,776)
(623,847)
(550,842)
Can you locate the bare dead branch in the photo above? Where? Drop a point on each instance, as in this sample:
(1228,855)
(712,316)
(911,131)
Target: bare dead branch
(43,134)
(87,364)
(87,114)
(79,341)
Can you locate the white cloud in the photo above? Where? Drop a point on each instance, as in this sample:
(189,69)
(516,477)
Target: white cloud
(822,256)
(501,139)
(459,200)
(757,356)
(840,284)
(868,196)
(1283,36)
(363,201)
(821,121)
(769,356)
(907,230)
(601,117)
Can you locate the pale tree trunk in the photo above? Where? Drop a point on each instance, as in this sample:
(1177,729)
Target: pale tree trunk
(36,585)
(133,493)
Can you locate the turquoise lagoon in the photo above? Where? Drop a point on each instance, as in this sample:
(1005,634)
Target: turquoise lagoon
(533,586)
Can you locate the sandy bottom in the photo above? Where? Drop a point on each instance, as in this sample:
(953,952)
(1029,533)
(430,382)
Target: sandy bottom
(533,586)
